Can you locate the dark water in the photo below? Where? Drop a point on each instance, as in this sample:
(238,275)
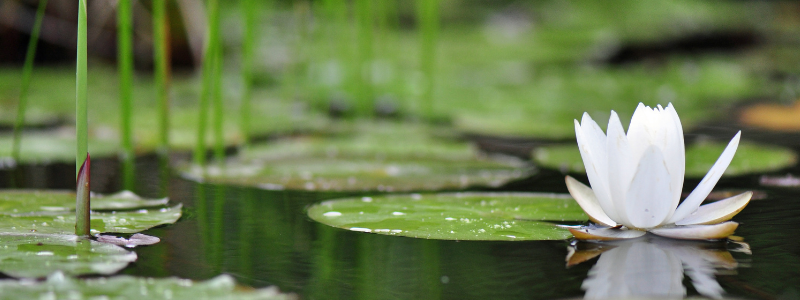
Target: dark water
(264,238)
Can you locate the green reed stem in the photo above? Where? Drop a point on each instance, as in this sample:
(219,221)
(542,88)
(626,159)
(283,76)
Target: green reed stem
(125,61)
(161,60)
(363,16)
(428,12)
(81,95)
(209,64)
(219,108)
(82,199)
(249,10)
(27,69)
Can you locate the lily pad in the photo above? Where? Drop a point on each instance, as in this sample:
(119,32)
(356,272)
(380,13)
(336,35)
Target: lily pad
(55,146)
(385,157)
(64,222)
(364,174)
(750,158)
(461,216)
(19,202)
(59,286)
(37,255)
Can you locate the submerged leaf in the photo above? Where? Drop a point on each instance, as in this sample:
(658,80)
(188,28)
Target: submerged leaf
(750,158)
(462,216)
(37,255)
(19,202)
(58,286)
(64,222)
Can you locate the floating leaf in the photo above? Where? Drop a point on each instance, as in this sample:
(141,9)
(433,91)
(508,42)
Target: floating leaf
(462,216)
(384,157)
(750,158)
(37,255)
(59,286)
(362,174)
(64,222)
(20,202)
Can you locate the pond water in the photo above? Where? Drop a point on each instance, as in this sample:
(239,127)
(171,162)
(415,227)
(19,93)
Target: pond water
(264,237)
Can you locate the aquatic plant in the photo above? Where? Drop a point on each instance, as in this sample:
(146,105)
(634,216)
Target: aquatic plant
(125,69)
(161,60)
(83,199)
(27,69)
(637,180)
(211,80)
(81,91)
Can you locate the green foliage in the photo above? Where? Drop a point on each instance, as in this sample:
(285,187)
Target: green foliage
(37,255)
(510,217)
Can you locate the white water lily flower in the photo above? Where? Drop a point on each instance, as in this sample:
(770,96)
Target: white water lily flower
(637,181)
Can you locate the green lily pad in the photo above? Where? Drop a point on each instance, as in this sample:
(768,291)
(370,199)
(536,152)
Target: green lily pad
(750,158)
(20,202)
(384,157)
(37,255)
(54,146)
(58,286)
(64,222)
(462,216)
(364,174)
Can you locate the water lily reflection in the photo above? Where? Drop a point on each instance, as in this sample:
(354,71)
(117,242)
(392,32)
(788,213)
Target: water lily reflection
(652,267)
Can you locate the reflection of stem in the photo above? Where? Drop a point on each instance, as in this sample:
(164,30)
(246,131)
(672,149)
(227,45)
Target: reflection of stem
(202,217)
(431,269)
(217,231)
(246,238)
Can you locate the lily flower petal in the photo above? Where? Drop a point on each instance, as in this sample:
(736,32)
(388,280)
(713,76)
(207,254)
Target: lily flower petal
(717,212)
(588,202)
(592,145)
(620,167)
(648,203)
(693,201)
(698,232)
(605,234)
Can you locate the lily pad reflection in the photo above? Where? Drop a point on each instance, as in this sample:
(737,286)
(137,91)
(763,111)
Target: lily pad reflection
(463,216)
(750,158)
(37,255)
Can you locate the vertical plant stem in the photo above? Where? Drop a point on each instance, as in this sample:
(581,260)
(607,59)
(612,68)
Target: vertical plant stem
(207,91)
(161,59)
(219,108)
(249,10)
(125,68)
(82,199)
(81,108)
(27,69)
(428,12)
(363,16)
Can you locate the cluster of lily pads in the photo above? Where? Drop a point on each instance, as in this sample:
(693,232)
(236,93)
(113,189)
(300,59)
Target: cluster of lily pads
(38,241)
